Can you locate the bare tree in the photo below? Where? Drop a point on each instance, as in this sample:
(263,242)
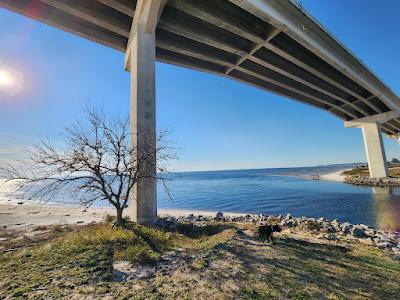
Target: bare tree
(96,162)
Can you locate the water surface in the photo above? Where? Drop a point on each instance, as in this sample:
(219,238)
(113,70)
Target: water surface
(282,191)
(272,191)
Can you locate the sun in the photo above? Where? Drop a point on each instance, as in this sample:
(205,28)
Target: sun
(6,79)
(10,81)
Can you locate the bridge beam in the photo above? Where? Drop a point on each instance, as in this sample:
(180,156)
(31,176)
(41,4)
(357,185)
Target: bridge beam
(373,143)
(140,61)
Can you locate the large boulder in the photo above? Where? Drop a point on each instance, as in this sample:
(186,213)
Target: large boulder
(358,232)
(219,216)
(190,217)
(326,227)
(346,227)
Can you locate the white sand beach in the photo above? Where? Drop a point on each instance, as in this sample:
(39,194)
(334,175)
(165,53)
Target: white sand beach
(334,176)
(28,214)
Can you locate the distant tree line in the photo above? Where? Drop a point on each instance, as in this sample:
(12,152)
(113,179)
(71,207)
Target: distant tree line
(395,161)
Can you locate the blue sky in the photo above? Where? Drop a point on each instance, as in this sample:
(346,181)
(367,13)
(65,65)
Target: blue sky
(219,123)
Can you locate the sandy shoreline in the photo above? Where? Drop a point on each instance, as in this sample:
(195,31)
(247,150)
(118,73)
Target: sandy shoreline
(334,176)
(27,215)
(331,176)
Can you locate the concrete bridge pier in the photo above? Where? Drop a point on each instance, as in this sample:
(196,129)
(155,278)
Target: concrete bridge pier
(140,60)
(374,149)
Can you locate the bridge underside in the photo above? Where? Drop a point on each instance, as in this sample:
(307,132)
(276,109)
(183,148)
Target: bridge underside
(271,44)
(236,39)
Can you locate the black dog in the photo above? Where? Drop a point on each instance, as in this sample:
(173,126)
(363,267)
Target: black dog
(266,232)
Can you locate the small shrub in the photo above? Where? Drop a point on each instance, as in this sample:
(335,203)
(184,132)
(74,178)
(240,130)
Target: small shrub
(141,254)
(196,231)
(273,220)
(157,239)
(103,234)
(40,228)
(57,228)
(20,291)
(109,218)
(311,226)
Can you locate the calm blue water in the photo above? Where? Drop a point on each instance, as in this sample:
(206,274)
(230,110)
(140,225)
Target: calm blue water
(282,191)
(273,191)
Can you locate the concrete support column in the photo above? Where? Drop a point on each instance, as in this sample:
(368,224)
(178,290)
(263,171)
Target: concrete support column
(143,123)
(374,150)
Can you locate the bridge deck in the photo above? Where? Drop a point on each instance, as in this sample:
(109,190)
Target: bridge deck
(271,44)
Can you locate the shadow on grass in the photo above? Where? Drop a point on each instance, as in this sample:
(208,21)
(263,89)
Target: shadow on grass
(196,231)
(331,268)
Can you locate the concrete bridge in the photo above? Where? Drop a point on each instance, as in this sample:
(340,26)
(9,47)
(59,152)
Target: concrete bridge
(270,44)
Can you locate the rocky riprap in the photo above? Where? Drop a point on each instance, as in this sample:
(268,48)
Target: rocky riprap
(327,229)
(365,180)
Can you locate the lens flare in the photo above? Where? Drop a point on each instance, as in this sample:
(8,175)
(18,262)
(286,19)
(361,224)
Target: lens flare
(10,82)
(6,79)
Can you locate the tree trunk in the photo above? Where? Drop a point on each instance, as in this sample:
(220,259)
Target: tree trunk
(119,221)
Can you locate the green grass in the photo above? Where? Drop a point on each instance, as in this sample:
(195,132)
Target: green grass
(76,258)
(393,170)
(363,170)
(309,270)
(222,262)
(72,257)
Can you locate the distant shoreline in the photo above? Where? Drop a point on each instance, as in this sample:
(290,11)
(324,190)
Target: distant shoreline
(336,176)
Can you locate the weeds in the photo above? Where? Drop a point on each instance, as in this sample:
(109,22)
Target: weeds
(57,228)
(40,228)
(109,218)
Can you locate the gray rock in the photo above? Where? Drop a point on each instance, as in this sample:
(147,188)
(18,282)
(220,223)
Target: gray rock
(358,232)
(262,217)
(396,250)
(219,215)
(377,240)
(370,232)
(326,227)
(288,223)
(365,180)
(288,216)
(331,237)
(385,245)
(191,217)
(199,218)
(393,236)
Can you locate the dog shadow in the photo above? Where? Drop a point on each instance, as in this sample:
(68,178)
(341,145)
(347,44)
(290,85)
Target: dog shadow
(249,237)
